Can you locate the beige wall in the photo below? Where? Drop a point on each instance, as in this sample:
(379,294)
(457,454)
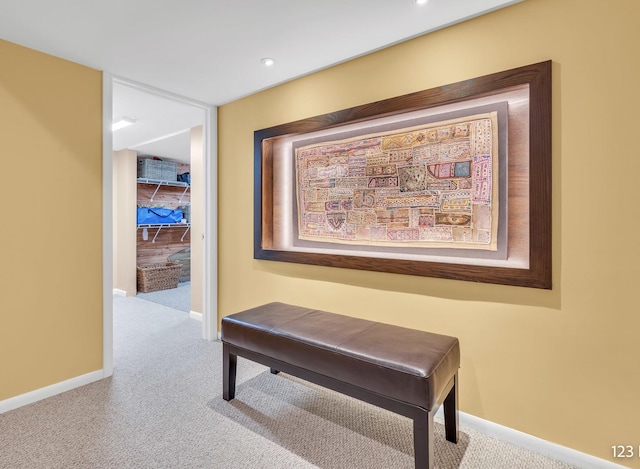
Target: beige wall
(562,364)
(125,172)
(197,219)
(51,236)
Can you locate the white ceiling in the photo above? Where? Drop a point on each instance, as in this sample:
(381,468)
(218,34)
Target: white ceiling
(210,50)
(162,124)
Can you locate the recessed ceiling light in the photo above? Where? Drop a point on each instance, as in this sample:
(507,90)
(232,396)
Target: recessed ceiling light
(267,61)
(123,122)
(421,2)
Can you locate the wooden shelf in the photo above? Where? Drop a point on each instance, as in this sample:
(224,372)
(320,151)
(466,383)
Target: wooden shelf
(159,183)
(163,225)
(160,226)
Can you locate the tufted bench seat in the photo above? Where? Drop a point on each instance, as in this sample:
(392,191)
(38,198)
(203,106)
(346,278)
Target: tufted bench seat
(403,370)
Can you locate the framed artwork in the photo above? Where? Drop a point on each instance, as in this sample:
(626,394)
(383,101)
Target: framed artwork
(452,182)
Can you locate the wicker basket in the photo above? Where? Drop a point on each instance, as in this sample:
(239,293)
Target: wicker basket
(158,170)
(156,277)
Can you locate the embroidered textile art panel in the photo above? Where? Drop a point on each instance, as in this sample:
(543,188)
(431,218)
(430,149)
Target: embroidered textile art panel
(426,186)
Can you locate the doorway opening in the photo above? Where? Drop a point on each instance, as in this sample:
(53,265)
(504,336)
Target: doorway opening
(178,132)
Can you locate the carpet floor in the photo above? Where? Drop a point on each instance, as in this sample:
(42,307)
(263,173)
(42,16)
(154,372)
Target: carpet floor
(163,408)
(176,298)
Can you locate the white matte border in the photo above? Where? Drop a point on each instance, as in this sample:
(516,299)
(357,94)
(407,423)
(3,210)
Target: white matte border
(517,98)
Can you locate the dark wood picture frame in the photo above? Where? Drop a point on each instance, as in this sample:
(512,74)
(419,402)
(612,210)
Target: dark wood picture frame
(538,272)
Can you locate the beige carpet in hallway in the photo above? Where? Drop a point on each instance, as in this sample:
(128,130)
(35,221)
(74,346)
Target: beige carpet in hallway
(163,408)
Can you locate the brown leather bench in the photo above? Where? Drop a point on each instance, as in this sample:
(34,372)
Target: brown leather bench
(403,370)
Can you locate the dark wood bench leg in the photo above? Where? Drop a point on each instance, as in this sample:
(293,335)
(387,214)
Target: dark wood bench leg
(451,412)
(274,371)
(229,365)
(423,440)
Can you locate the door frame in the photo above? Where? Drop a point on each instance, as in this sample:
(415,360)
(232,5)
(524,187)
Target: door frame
(210,271)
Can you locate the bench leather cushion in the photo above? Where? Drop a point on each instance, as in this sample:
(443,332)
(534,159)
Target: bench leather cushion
(405,364)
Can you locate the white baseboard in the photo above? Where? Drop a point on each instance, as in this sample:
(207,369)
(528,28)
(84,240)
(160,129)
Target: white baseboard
(49,391)
(118,292)
(530,442)
(195,315)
